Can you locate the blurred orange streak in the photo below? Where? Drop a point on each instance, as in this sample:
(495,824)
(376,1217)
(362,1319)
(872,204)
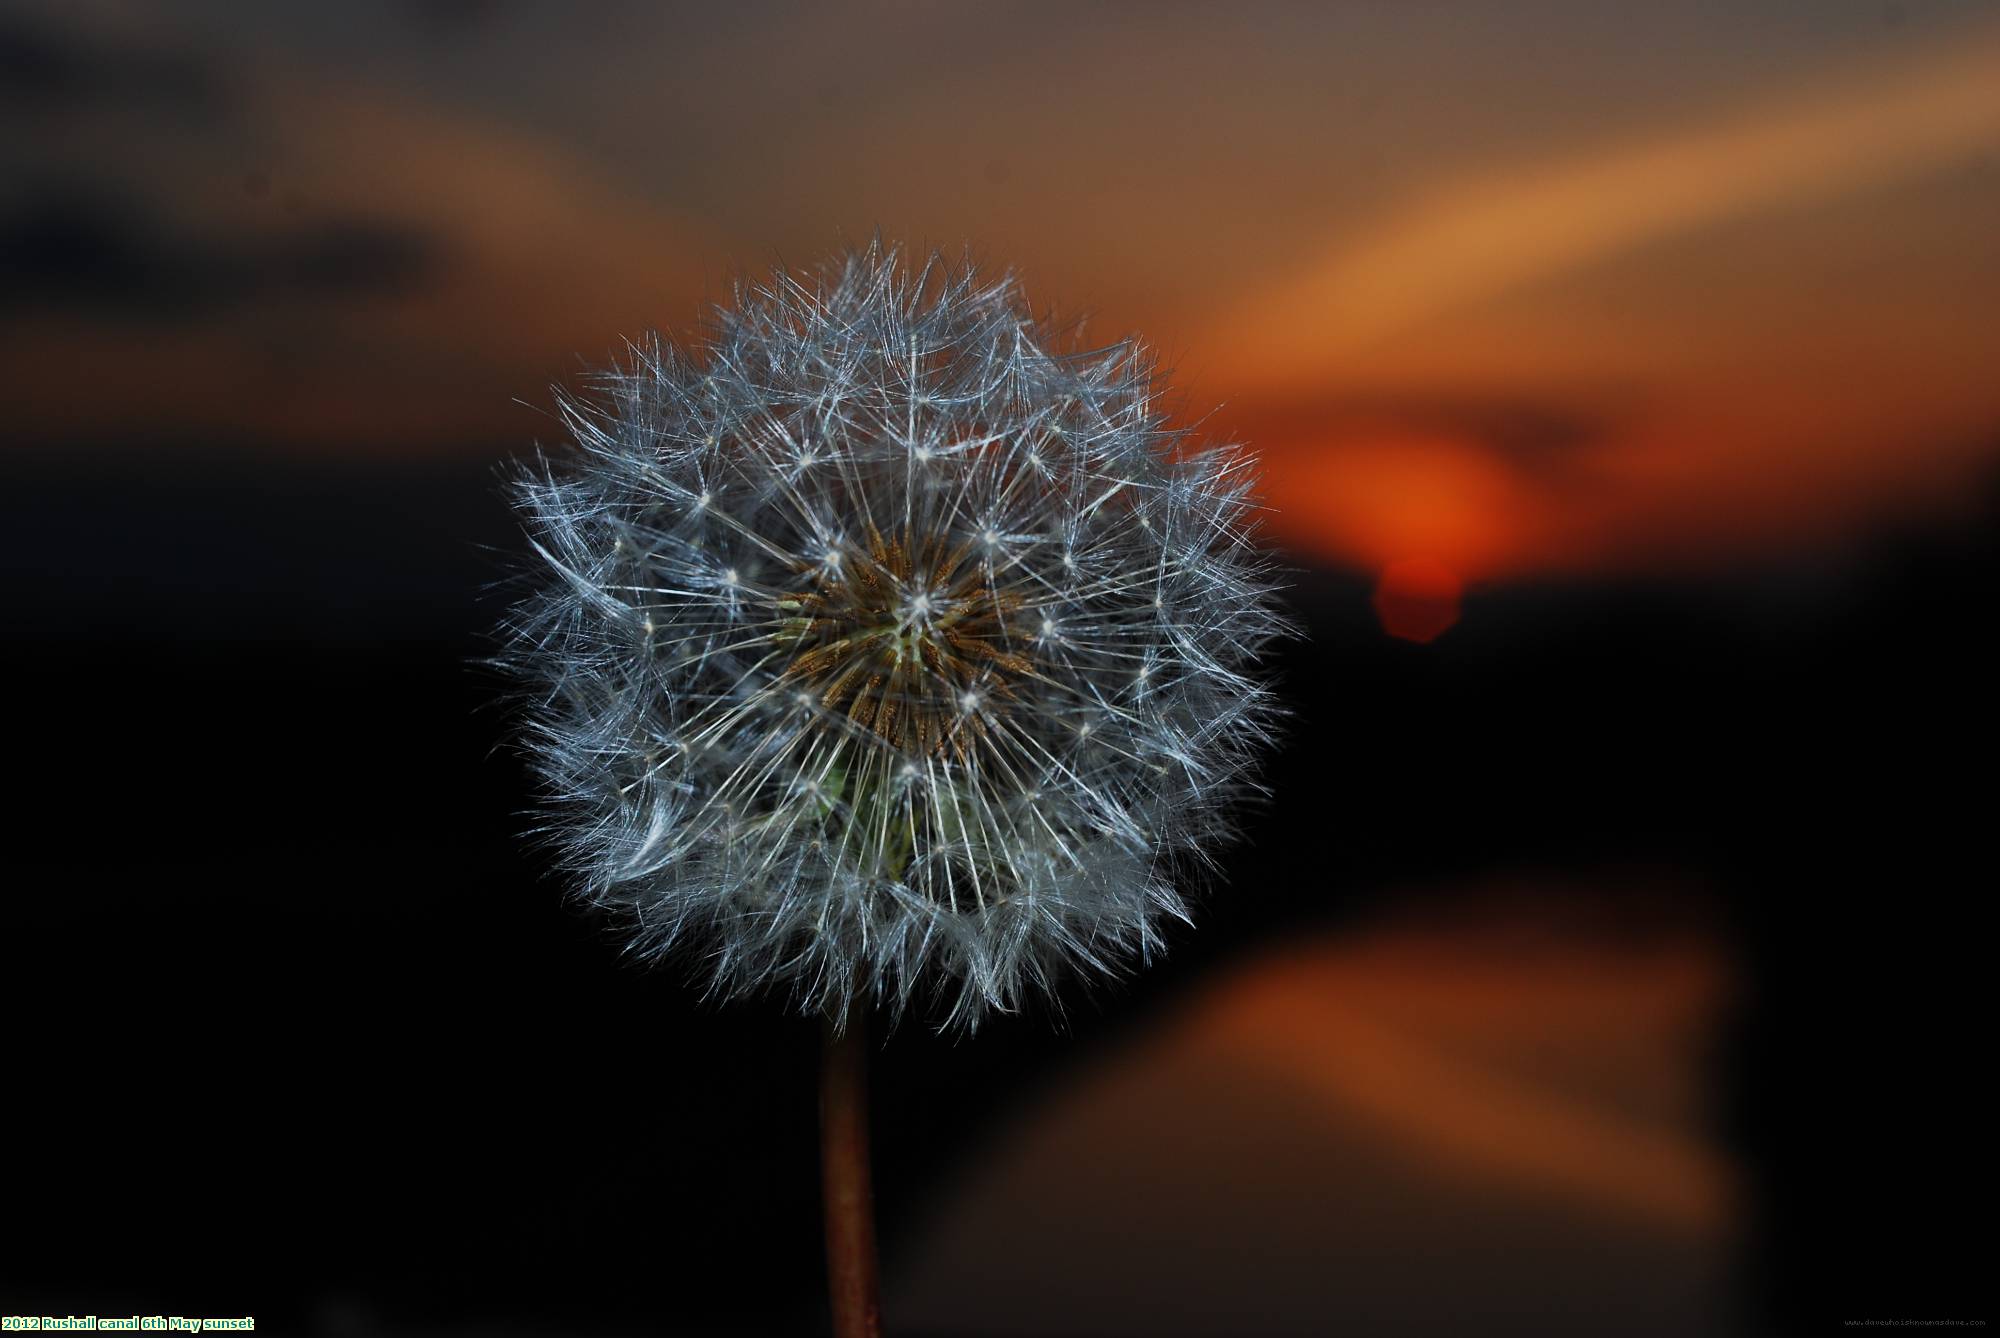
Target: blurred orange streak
(1473,238)
(1496,1110)
(1429,1039)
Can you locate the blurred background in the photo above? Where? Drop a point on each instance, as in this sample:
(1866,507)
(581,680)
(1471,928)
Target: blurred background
(1605,960)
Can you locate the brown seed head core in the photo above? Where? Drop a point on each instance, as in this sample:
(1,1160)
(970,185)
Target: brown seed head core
(910,639)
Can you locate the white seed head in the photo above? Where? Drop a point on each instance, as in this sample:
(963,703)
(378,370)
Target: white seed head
(817,725)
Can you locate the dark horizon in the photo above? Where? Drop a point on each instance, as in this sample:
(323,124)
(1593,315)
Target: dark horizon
(282,859)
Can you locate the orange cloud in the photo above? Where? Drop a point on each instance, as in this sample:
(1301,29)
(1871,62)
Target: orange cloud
(1474,238)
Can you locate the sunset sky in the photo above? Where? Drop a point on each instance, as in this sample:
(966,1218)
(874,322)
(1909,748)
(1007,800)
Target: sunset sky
(1603,964)
(1506,290)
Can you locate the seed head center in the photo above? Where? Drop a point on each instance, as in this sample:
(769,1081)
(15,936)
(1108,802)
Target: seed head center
(899,638)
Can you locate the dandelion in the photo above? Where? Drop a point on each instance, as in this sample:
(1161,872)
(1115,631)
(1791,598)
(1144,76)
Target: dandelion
(890,646)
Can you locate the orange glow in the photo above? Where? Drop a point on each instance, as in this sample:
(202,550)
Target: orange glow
(1347,1104)
(1373,498)
(1416,599)
(1328,1020)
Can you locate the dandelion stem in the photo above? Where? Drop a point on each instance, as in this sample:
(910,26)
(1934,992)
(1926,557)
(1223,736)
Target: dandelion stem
(849,1199)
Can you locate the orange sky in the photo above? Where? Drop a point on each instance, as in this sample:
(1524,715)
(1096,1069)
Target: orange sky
(1554,295)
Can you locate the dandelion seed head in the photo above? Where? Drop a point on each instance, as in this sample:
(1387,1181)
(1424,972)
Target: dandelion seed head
(890,643)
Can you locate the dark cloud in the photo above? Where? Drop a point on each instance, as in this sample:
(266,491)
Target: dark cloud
(79,249)
(42,70)
(1537,436)
(452,18)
